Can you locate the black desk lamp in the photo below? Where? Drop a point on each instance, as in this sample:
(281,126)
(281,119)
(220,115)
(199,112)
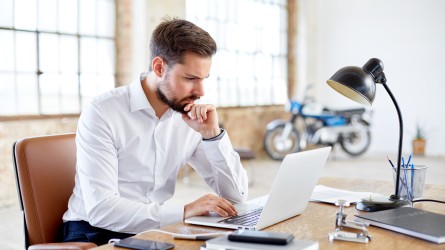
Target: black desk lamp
(359,84)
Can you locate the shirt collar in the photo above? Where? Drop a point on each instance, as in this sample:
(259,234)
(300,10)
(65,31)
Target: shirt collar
(138,99)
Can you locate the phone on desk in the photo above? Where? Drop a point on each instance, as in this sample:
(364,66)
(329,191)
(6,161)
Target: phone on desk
(140,244)
(261,237)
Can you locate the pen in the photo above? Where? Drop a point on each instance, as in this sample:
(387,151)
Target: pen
(412,181)
(196,237)
(400,177)
(404,176)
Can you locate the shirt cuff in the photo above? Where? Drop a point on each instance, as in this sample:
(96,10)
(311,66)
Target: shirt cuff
(171,214)
(216,138)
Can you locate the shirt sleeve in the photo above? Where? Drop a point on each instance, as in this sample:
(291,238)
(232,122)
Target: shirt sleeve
(97,172)
(220,167)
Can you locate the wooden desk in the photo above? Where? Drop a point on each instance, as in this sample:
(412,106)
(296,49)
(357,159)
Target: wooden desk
(319,219)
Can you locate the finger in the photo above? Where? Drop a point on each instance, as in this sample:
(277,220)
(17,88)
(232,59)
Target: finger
(204,112)
(191,108)
(198,112)
(225,205)
(231,206)
(188,107)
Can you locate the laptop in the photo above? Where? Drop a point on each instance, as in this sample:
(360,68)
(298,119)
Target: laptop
(289,196)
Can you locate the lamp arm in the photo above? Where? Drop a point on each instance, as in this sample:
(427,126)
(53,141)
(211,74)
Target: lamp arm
(399,154)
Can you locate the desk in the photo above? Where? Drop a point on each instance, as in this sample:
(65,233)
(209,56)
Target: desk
(319,219)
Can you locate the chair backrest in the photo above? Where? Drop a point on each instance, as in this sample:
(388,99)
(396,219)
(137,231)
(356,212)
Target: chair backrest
(45,168)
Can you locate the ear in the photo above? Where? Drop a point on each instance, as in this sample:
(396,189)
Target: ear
(157,64)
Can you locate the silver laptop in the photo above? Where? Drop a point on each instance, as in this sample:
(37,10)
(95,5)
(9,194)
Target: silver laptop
(290,193)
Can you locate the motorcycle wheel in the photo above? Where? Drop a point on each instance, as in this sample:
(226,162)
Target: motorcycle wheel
(277,148)
(356,144)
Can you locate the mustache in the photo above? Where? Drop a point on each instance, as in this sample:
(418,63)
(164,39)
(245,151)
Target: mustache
(190,98)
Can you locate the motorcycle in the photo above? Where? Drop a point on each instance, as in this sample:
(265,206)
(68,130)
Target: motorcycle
(312,124)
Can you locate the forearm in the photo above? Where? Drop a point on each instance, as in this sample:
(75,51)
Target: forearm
(123,215)
(221,168)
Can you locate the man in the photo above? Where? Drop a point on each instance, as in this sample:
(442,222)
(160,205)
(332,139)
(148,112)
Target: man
(133,140)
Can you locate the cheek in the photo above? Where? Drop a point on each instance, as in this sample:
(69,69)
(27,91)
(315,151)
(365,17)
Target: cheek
(180,85)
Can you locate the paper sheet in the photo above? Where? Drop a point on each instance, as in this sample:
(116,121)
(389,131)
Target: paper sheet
(331,195)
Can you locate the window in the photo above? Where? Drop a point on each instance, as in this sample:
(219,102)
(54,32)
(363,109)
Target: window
(250,67)
(55,54)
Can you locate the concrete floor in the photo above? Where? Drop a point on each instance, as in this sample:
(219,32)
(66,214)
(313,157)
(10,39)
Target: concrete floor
(374,167)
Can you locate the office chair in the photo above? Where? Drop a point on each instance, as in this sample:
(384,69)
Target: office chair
(44,169)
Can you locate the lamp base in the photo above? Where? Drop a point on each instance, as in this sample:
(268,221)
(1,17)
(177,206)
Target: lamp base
(374,205)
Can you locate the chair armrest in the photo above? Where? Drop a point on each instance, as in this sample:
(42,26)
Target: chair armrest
(63,246)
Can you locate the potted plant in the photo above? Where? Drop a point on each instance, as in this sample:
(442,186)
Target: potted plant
(419,141)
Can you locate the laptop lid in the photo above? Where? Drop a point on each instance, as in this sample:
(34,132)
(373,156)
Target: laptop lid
(289,195)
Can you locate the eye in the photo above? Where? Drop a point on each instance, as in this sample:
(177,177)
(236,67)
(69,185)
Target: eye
(190,78)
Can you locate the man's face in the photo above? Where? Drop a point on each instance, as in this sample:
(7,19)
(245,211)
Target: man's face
(183,83)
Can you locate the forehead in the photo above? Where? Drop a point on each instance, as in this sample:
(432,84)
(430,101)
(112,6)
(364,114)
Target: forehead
(194,64)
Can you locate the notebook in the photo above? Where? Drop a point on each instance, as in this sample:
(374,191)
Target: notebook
(223,243)
(290,193)
(410,221)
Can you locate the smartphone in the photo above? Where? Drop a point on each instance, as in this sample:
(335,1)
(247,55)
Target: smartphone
(140,244)
(261,237)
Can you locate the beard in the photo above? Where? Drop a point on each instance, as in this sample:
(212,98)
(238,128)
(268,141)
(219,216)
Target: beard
(174,103)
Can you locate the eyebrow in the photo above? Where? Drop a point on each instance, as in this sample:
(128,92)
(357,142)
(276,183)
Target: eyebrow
(194,76)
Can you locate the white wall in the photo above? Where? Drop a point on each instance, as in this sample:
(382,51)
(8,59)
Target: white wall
(407,35)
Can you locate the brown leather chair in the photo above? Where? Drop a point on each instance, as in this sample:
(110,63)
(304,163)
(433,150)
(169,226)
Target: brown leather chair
(45,167)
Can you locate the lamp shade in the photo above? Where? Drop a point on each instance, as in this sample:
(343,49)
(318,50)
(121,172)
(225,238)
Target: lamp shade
(358,84)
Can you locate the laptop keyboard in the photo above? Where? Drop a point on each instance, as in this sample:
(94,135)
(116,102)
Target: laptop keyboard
(247,219)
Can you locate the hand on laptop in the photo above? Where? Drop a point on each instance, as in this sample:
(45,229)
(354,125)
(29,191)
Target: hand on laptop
(209,203)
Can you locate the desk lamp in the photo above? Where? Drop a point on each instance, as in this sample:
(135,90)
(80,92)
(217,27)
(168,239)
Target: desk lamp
(359,84)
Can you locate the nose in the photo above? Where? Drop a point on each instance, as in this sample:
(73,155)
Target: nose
(199,88)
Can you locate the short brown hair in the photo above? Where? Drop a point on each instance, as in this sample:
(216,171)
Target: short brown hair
(173,37)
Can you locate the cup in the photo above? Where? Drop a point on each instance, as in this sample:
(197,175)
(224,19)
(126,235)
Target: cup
(412,181)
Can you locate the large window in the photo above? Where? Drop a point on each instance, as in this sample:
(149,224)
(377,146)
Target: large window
(54,54)
(250,67)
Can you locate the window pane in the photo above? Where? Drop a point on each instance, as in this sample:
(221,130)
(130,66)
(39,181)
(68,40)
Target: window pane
(25,51)
(7,94)
(68,16)
(88,21)
(25,14)
(68,54)
(263,66)
(105,83)
(248,90)
(48,15)
(250,43)
(279,90)
(197,9)
(105,50)
(50,93)
(7,50)
(6,12)
(27,99)
(105,18)
(69,94)
(88,87)
(49,53)
(88,50)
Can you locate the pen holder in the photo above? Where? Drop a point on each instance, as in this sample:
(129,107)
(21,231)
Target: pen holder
(412,181)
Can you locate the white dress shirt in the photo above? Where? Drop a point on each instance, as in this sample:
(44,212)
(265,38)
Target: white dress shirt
(128,161)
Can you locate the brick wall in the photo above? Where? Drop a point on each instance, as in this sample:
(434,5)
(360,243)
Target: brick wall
(12,131)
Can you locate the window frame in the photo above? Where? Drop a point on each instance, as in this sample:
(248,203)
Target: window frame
(78,36)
